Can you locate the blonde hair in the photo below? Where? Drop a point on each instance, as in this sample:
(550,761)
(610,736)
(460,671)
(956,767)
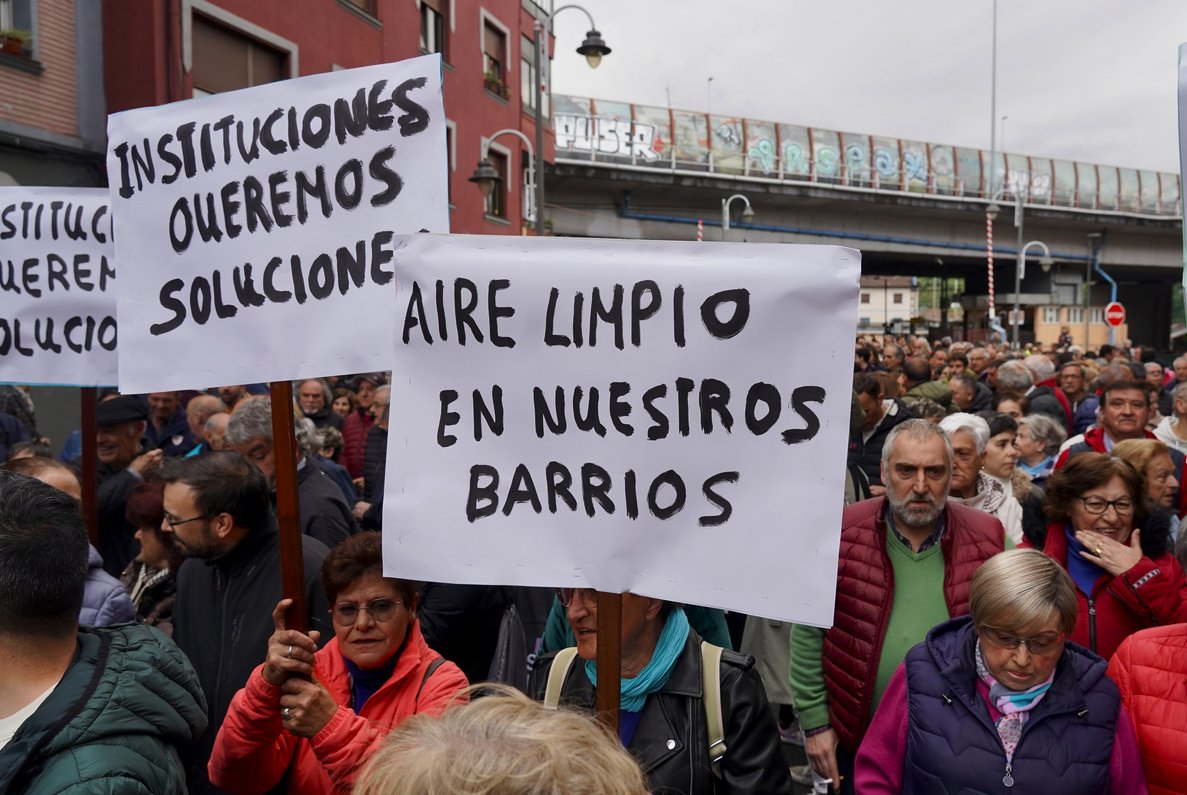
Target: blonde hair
(1140,453)
(501,744)
(1019,587)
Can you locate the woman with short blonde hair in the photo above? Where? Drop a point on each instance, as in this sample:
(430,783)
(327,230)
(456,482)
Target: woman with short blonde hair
(502,744)
(999,695)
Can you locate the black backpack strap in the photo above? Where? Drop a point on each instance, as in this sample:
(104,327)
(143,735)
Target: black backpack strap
(433,666)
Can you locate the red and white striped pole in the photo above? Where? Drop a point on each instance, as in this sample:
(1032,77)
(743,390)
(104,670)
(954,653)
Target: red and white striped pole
(700,230)
(989,261)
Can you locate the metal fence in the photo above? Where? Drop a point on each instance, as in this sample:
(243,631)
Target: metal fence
(675,140)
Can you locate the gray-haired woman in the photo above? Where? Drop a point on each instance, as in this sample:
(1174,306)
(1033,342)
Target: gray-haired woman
(1038,441)
(1000,698)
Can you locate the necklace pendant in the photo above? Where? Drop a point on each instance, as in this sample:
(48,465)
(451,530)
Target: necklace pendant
(1007,780)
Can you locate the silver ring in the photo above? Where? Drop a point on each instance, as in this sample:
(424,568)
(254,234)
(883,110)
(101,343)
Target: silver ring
(290,654)
(284,713)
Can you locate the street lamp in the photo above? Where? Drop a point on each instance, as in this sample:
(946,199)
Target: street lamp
(747,212)
(487,178)
(593,48)
(1019,275)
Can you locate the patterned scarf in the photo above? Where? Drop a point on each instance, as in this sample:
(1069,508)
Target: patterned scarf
(634,691)
(1014,705)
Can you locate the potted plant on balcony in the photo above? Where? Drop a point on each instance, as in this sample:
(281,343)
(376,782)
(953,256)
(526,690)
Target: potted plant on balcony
(494,84)
(16,42)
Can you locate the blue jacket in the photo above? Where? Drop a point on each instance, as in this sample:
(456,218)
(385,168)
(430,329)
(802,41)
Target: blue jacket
(104,600)
(953,746)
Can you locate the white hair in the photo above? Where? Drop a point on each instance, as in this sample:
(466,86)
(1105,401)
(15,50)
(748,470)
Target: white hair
(1013,376)
(1040,367)
(975,425)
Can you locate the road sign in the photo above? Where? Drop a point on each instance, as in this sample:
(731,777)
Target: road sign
(1114,314)
(1017,317)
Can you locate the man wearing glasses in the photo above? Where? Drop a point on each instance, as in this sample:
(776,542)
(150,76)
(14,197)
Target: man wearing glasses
(906,561)
(217,508)
(1123,413)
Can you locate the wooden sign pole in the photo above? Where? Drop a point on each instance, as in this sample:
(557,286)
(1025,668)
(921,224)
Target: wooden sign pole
(609,658)
(90,462)
(292,560)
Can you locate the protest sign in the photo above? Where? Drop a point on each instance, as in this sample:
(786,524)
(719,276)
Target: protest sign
(663,418)
(254,229)
(1183,155)
(57,287)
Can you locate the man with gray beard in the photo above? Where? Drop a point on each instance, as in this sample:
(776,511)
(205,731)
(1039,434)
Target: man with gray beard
(905,565)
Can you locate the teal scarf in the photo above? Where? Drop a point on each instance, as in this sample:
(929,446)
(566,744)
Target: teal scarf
(633,692)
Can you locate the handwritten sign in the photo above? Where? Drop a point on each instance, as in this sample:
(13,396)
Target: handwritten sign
(654,417)
(1183,151)
(255,229)
(57,287)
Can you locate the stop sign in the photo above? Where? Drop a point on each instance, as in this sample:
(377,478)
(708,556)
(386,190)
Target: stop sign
(1114,314)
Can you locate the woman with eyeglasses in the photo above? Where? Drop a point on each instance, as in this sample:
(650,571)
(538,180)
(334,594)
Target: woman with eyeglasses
(662,717)
(1099,530)
(312,718)
(999,701)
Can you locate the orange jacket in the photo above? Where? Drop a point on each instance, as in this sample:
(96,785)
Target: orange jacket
(253,751)
(1150,669)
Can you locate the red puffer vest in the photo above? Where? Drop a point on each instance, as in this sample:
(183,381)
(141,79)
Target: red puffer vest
(1149,669)
(865,594)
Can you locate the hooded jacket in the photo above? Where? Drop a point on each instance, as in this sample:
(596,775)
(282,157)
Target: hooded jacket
(866,452)
(253,751)
(114,723)
(1148,667)
(936,391)
(104,600)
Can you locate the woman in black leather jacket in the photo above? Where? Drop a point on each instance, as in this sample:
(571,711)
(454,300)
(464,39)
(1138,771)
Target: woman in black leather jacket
(663,713)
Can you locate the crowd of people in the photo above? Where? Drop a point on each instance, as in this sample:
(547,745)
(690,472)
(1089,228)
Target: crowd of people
(1011,604)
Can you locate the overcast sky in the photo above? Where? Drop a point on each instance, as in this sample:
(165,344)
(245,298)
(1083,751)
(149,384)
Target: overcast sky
(1089,80)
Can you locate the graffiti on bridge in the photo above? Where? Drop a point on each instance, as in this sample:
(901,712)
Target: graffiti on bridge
(603,136)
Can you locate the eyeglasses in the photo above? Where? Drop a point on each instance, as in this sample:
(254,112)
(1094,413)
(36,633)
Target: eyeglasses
(1098,505)
(1041,644)
(174,523)
(380,610)
(589,596)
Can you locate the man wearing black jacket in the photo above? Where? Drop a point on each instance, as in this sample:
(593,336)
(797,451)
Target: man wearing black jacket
(217,508)
(124,461)
(881,415)
(324,512)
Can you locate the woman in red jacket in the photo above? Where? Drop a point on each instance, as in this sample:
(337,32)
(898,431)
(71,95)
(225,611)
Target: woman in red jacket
(1150,669)
(317,716)
(1100,530)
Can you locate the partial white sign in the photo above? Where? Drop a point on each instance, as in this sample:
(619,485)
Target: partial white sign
(255,229)
(663,418)
(1183,151)
(57,287)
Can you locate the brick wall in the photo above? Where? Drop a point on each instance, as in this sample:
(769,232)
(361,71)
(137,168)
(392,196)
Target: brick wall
(49,100)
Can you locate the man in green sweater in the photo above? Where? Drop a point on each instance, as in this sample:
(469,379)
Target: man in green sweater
(906,561)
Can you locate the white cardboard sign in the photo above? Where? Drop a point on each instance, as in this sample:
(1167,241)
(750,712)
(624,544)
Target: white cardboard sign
(662,418)
(57,287)
(1183,150)
(255,229)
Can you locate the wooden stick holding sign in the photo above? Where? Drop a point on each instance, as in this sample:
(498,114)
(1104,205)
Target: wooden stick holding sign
(609,658)
(288,511)
(90,462)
